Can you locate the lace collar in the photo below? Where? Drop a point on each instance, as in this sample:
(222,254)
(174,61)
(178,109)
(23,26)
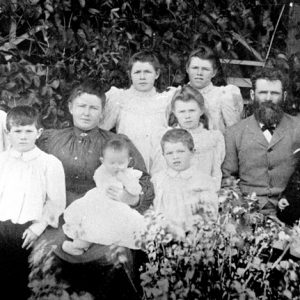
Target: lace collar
(186,174)
(26,156)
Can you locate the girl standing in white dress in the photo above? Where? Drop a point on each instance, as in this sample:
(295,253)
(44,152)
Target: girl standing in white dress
(95,218)
(224,104)
(139,110)
(181,187)
(188,112)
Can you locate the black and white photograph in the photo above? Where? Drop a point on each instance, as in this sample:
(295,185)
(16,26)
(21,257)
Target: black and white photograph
(150,150)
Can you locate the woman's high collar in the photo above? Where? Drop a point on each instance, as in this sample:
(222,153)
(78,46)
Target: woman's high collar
(84,133)
(147,94)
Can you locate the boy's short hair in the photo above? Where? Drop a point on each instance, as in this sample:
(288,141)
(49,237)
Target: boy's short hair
(23,115)
(270,74)
(178,135)
(144,56)
(118,143)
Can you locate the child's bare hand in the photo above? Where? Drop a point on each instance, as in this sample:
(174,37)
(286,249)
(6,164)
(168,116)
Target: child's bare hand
(114,193)
(283,203)
(29,238)
(121,175)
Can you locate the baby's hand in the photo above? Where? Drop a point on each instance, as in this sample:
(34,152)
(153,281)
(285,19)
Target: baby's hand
(29,238)
(114,193)
(283,203)
(121,176)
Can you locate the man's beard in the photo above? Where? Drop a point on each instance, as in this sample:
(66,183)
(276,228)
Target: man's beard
(268,113)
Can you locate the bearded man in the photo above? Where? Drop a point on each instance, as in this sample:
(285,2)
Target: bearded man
(259,149)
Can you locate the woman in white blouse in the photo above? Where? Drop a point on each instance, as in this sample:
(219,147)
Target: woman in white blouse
(140,110)
(224,104)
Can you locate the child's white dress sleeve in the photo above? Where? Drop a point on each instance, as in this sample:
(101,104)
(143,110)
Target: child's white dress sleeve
(157,161)
(112,108)
(55,202)
(131,181)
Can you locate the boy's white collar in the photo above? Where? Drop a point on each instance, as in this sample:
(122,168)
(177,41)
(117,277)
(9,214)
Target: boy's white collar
(26,156)
(185,174)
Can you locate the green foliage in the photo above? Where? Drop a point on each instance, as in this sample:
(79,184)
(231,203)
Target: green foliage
(48,46)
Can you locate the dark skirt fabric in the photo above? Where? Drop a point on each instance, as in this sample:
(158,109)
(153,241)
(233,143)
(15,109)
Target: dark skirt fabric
(14,268)
(97,271)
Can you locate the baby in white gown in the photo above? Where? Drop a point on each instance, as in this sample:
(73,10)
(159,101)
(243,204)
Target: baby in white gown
(96,218)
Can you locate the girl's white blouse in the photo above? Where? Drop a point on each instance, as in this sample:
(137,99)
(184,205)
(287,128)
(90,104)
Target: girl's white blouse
(32,188)
(137,115)
(224,105)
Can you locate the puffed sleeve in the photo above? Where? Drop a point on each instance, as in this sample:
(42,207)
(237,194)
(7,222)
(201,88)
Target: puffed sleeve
(112,108)
(231,104)
(147,195)
(131,181)
(4,144)
(55,196)
(219,155)
(230,166)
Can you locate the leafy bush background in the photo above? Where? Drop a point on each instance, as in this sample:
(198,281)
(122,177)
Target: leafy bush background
(48,46)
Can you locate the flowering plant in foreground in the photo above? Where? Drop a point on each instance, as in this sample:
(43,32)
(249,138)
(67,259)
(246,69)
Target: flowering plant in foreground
(242,255)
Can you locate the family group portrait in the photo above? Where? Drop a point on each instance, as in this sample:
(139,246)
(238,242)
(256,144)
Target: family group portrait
(149,150)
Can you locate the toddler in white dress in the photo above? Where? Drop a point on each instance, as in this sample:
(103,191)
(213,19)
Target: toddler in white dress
(95,218)
(181,188)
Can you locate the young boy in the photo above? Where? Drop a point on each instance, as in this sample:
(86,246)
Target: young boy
(32,196)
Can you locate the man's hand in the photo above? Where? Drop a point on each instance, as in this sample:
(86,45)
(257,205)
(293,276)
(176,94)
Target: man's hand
(283,203)
(29,238)
(119,194)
